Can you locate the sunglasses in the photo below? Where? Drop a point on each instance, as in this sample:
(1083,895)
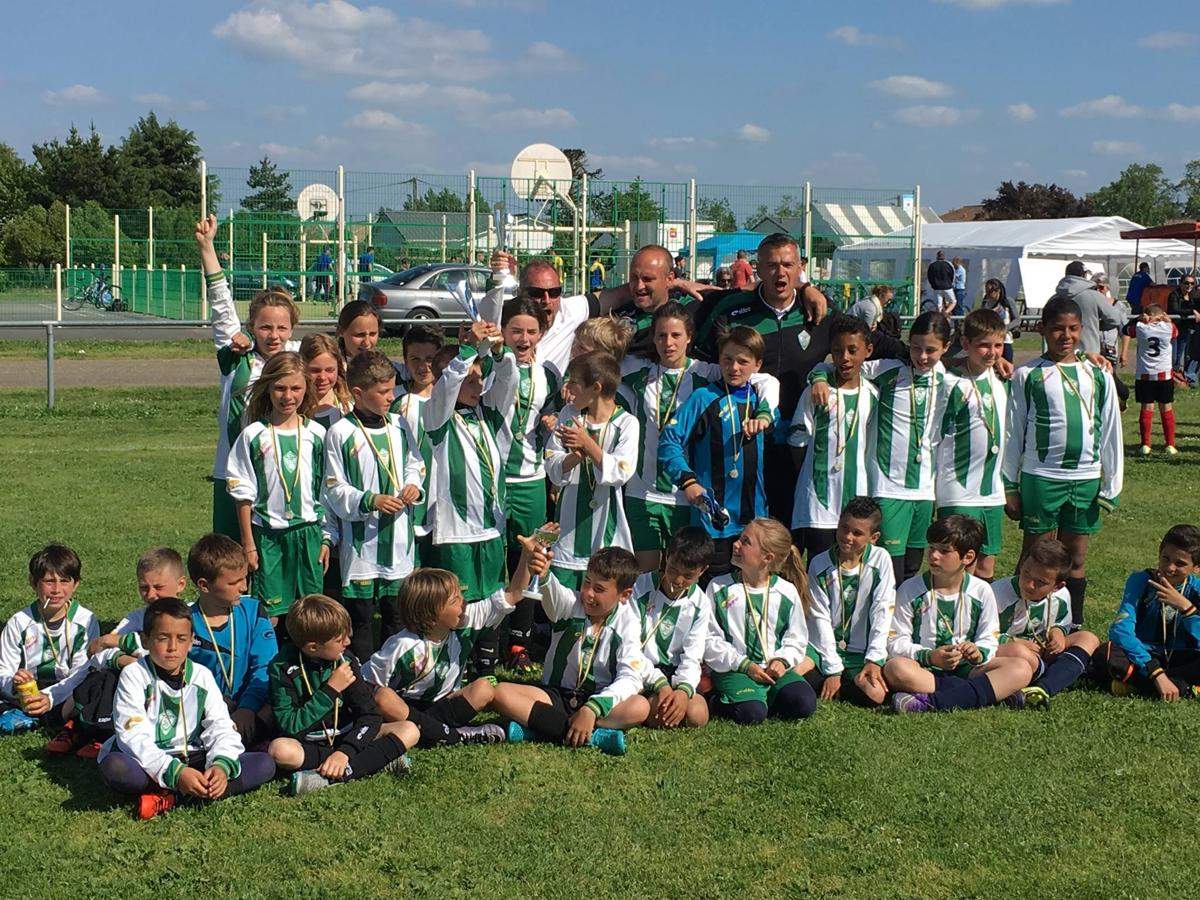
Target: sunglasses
(1189,284)
(534,293)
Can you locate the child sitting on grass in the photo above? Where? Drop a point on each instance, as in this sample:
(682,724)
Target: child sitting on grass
(946,631)
(43,648)
(333,731)
(1153,645)
(1035,622)
(172,727)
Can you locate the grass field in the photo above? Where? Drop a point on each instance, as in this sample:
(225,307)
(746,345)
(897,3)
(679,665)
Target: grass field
(1097,796)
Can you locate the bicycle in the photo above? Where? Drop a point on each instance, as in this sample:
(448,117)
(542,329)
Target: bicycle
(98,294)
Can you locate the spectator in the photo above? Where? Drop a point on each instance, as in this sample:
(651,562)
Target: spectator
(1180,306)
(870,308)
(681,269)
(366,262)
(596,276)
(740,273)
(1110,337)
(1138,283)
(1095,312)
(404,263)
(557,262)
(323,264)
(941,281)
(960,286)
(802,278)
(996,298)
(723,278)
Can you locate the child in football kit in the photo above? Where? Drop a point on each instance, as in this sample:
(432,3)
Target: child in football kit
(590,457)
(946,631)
(173,735)
(332,730)
(43,647)
(274,474)
(853,600)
(673,615)
(327,372)
(272,318)
(373,477)
(1064,457)
(832,440)
(1156,334)
(1153,645)
(757,634)
(1035,622)
(421,346)
(594,670)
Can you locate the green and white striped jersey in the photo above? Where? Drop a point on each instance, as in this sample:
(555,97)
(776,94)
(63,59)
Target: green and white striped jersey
(674,632)
(467,483)
(326,416)
(238,371)
(279,473)
(518,396)
(1064,423)
(418,668)
(159,724)
(851,609)
(905,428)
(754,626)
(360,463)
(591,501)
(927,619)
(409,406)
(971,440)
(605,660)
(1030,619)
(839,458)
(55,653)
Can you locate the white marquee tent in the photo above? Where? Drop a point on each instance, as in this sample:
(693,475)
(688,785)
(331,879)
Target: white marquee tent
(1028,255)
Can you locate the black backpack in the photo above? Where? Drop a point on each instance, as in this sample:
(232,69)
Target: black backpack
(94,704)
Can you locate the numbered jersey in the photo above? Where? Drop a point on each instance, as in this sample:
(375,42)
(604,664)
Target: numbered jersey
(1154,349)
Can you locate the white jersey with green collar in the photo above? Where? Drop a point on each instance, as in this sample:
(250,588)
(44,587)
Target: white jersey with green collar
(409,406)
(1030,619)
(55,654)
(520,394)
(279,472)
(851,610)
(906,421)
(927,619)
(753,626)
(674,632)
(971,437)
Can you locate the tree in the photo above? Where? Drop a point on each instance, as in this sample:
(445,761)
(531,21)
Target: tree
(1187,190)
(580,164)
(81,169)
(1141,193)
(788,206)
(17,182)
(616,205)
(162,162)
(1033,201)
(719,212)
(272,188)
(33,237)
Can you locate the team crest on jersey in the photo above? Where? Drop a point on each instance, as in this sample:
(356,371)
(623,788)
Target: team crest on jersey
(384,456)
(290,459)
(803,339)
(167,720)
(664,628)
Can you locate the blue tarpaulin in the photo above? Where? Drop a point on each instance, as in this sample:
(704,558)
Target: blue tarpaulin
(723,247)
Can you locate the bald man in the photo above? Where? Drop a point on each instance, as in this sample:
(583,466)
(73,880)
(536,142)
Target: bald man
(540,282)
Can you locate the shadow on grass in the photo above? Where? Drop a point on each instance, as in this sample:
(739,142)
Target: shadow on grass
(81,777)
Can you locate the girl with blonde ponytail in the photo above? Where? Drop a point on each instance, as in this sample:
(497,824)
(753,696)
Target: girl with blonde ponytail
(758,637)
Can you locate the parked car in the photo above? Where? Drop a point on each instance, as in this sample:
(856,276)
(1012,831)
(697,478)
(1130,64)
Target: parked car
(422,292)
(246,284)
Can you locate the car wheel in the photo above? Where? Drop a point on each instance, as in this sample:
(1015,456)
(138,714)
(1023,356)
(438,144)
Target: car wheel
(420,314)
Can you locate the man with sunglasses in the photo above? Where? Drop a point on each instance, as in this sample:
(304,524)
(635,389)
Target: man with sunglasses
(540,283)
(1181,304)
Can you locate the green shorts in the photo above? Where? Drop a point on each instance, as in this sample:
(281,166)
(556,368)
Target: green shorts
(651,524)
(479,566)
(224,512)
(571,579)
(525,507)
(992,518)
(1048,504)
(288,566)
(904,524)
(371,589)
(735,687)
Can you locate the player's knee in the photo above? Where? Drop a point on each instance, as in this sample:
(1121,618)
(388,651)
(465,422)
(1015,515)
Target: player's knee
(752,712)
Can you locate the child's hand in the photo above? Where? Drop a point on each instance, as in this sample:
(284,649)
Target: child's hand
(410,495)
(776,668)
(821,393)
(243,721)
(946,658)
(104,642)
(192,783)
(870,681)
(502,260)
(755,426)
(757,673)
(483,332)
(694,493)
(971,653)
(1012,506)
(323,557)
(251,557)
(335,766)
(1101,361)
(549,422)
(830,686)
(218,782)
(1056,641)
(573,436)
(1166,687)
(342,678)
(22,676)
(672,706)
(1168,594)
(386,503)
(206,230)
(241,344)
(580,727)
(37,705)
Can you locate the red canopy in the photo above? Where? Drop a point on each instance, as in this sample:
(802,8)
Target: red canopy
(1183,231)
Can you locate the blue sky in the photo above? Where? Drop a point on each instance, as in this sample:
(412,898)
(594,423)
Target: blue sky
(954,94)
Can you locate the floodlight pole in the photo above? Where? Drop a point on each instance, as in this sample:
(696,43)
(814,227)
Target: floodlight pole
(150,237)
(915,303)
(67,226)
(116,265)
(471,213)
(581,274)
(692,230)
(808,224)
(341,224)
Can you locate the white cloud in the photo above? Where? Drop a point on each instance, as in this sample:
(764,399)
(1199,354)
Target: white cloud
(624,165)
(932,116)
(152,99)
(414,94)
(1021,166)
(281,151)
(75,95)
(1116,148)
(491,169)
(1169,40)
(912,87)
(282,113)
(1177,112)
(755,134)
(384,94)
(382,120)
(997,4)
(681,142)
(1075,173)
(1113,105)
(524,118)
(546,53)
(853,36)
(164,101)
(1022,112)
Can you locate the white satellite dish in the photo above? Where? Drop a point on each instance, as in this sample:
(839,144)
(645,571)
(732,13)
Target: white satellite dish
(317,201)
(541,172)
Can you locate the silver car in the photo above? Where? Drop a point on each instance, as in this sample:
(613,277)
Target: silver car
(423,292)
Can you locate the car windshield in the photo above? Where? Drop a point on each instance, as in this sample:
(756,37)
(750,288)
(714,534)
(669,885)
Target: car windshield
(408,275)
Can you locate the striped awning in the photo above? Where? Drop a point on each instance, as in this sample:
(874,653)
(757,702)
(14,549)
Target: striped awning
(856,221)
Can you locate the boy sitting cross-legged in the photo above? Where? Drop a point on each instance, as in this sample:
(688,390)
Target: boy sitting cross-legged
(594,666)
(172,728)
(333,730)
(946,631)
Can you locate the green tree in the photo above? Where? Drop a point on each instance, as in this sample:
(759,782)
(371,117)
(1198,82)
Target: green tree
(633,202)
(1033,201)
(81,169)
(1188,190)
(717,211)
(580,164)
(17,182)
(445,200)
(1141,193)
(786,207)
(33,237)
(162,161)
(272,189)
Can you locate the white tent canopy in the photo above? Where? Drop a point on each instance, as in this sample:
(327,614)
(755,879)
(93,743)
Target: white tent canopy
(1028,255)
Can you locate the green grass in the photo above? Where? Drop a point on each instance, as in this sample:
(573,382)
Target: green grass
(1096,796)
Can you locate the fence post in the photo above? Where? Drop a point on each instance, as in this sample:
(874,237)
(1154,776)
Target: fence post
(692,230)
(581,273)
(162,288)
(150,237)
(203,189)
(67,220)
(915,301)
(470,259)
(303,264)
(808,225)
(232,267)
(58,292)
(353,265)
(471,214)
(49,365)
(116,266)
(341,226)
(264,260)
